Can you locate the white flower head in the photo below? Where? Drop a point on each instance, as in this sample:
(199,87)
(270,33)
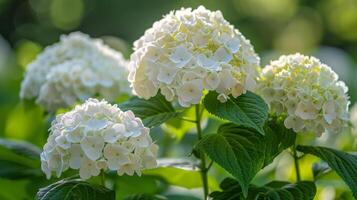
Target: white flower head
(75,69)
(97,136)
(190,51)
(307,92)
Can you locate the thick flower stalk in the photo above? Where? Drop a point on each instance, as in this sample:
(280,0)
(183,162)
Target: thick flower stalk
(190,51)
(306,92)
(74,69)
(97,136)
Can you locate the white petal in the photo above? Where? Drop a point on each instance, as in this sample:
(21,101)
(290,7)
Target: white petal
(207,63)
(76,155)
(329,110)
(140,141)
(88,169)
(113,133)
(96,124)
(168,93)
(181,56)
(62,142)
(237,90)
(74,136)
(92,146)
(233,45)
(306,111)
(250,83)
(227,81)
(222,55)
(167,74)
(211,81)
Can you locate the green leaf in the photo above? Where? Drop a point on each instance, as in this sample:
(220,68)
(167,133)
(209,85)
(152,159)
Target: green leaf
(19,160)
(175,176)
(73,190)
(181,197)
(160,197)
(242,151)
(247,110)
(153,111)
(276,190)
(276,139)
(21,148)
(343,163)
(145,184)
(237,150)
(145,197)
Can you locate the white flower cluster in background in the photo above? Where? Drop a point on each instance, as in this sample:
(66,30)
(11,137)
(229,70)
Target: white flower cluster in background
(189,51)
(97,136)
(307,92)
(75,69)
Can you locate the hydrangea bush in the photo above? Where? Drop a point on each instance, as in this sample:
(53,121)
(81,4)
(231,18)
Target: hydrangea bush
(190,60)
(75,69)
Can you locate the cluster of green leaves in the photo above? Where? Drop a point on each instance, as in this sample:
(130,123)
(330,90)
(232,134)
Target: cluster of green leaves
(276,190)
(246,143)
(243,145)
(250,142)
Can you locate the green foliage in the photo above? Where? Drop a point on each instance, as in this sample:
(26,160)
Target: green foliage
(343,163)
(145,197)
(243,152)
(153,112)
(276,190)
(177,127)
(159,197)
(247,110)
(175,176)
(277,138)
(19,160)
(130,185)
(74,190)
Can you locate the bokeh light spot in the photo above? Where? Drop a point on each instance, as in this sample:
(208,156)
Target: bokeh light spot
(26,51)
(342,18)
(66,14)
(280,10)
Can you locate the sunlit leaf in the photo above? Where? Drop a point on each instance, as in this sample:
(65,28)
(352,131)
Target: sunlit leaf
(181,177)
(247,110)
(343,163)
(153,111)
(243,152)
(178,128)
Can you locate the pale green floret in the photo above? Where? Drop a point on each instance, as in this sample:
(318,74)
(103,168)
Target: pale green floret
(307,92)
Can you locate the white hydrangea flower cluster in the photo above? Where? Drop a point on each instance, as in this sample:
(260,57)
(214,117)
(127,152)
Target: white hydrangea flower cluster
(189,51)
(97,136)
(307,92)
(75,69)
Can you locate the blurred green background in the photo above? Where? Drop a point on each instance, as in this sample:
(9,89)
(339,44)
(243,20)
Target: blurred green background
(326,29)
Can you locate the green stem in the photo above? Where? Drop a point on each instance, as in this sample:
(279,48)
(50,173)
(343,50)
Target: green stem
(296,161)
(102,178)
(202,155)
